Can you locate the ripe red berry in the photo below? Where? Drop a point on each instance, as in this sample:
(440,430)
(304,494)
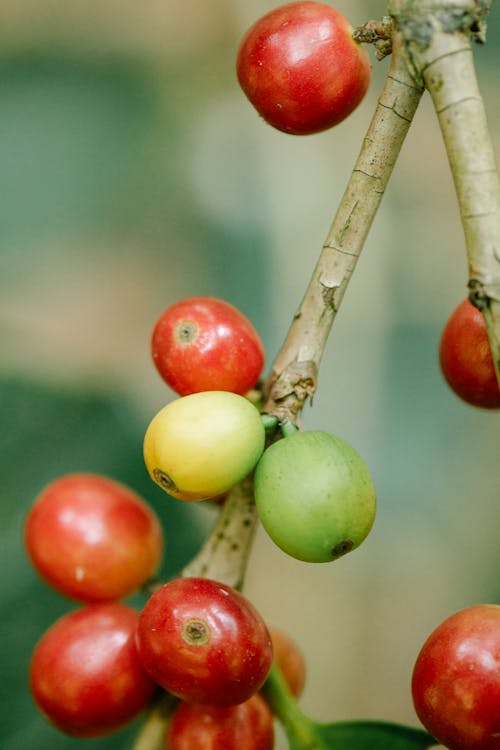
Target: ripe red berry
(86,675)
(92,538)
(456,680)
(466,360)
(206,344)
(301,69)
(204,642)
(246,726)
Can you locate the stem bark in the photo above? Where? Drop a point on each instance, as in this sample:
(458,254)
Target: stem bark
(294,373)
(224,556)
(441,55)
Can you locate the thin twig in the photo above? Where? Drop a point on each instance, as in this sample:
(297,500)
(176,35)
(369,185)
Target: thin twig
(294,373)
(445,62)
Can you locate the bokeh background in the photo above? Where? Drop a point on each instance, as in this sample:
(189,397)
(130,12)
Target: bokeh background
(134,173)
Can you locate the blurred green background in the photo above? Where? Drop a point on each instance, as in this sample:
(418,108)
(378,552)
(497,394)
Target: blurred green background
(134,173)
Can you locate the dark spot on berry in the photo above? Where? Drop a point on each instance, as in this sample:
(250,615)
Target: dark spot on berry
(342,548)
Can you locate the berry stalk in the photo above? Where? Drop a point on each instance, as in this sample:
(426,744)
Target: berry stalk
(300,729)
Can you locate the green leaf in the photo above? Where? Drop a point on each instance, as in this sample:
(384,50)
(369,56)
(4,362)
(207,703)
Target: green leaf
(366,735)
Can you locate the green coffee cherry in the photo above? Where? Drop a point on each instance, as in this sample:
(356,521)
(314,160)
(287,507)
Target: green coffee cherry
(314,495)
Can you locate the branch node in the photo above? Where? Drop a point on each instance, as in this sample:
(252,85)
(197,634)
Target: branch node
(478,295)
(328,294)
(378,33)
(419,23)
(290,390)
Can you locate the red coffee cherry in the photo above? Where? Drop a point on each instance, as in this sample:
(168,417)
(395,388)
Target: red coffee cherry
(92,538)
(206,344)
(466,360)
(301,69)
(246,726)
(456,680)
(204,642)
(86,675)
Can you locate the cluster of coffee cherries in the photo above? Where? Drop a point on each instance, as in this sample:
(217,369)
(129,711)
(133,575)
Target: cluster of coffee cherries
(313,492)
(96,541)
(100,665)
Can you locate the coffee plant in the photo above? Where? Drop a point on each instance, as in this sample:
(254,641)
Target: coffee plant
(199,658)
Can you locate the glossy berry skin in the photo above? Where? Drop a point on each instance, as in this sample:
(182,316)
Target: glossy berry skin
(314,496)
(465,358)
(199,446)
(246,726)
(92,538)
(301,69)
(86,675)
(206,344)
(289,660)
(456,680)
(204,642)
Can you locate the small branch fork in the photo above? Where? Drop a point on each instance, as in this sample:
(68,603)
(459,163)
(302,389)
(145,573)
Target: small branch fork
(430,41)
(431,49)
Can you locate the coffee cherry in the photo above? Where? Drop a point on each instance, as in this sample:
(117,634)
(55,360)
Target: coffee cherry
(246,726)
(86,675)
(92,538)
(314,496)
(301,69)
(204,642)
(466,360)
(206,344)
(199,446)
(456,680)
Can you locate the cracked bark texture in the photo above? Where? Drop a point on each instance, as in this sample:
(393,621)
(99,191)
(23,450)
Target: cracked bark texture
(294,373)
(431,49)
